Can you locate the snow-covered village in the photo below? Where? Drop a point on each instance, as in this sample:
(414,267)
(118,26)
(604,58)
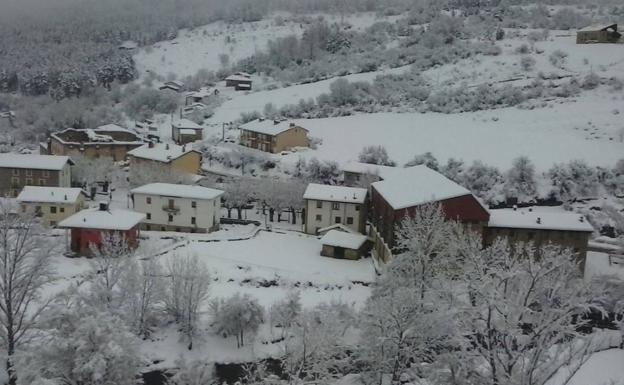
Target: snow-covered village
(311,192)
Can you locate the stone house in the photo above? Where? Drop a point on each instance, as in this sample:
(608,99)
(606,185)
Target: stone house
(329,205)
(110,141)
(170,157)
(51,204)
(19,170)
(273,136)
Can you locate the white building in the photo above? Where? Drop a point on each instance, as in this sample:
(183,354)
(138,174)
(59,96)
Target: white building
(175,207)
(328,205)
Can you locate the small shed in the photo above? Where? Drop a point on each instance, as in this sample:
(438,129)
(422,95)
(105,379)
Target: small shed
(128,45)
(87,227)
(607,33)
(200,96)
(186,131)
(173,85)
(343,245)
(240,81)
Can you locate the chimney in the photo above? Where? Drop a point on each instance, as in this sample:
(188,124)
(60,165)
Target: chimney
(150,144)
(167,146)
(103,206)
(276,121)
(292,124)
(539,220)
(184,148)
(515,207)
(582,219)
(261,119)
(65,196)
(530,209)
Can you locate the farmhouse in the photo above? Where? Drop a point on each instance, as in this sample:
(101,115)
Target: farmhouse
(273,136)
(399,196)
(51,204)
(341,242)
(106,141)
(186,131)
(241,81)
(562,229)
(173,85)
(170,157)
(17,171)
(361,174)
(200,96)
(328,205)
(89,227)
(174,207)
(607,33)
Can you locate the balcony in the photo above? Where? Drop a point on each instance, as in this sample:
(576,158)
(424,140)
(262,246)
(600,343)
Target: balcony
(171,209)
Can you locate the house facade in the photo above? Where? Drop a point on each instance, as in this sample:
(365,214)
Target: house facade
(89,228)
(185,131)
(241,81)
(110,141)
(172,207)
(51,204)
(329,205)
(169,157)
(273,136)
(607,33)
(342,243)
(172,85)
(558,228)
(400,196)
(17,171)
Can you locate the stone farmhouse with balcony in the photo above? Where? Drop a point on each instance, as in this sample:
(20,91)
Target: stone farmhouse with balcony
(273,136)
(175,207)
(19,170)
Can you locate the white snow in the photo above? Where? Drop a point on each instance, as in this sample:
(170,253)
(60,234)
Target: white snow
(321,192)
(539,220)
(602,264)
(267,126)
(161,152)
(343,239)
(49,194)
(417,185)
(31,161)
(178,190)
(602,368)
(111,219)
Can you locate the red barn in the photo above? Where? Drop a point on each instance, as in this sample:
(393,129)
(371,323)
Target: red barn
(398,197)
(87,227)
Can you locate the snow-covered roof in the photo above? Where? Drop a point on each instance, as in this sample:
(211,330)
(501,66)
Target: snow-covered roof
(417,185)
(112,127)
(341,239)
(322,192)
(598,27)
(111,219)
(338,227)
(384,172)
(268,126)
(43,194)
(110,133)
(178,190)
(539,220)
(201,93)
(238,78)
(176,83)
(186,123)
(161,152)
(32,161)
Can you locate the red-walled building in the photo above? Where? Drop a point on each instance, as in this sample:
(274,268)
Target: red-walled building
(88,226)
(396,198)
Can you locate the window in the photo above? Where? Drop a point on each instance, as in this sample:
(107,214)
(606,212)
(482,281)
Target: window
(52,223)
(42,182)
(28,172)
(147,227)
(15,181)
(319,204)
(29,181)
(349,220)
(171,203)
(319,217)
(530,236)
(62,209)
(170,218)
(148,200)
(194,204)
(46,173)
(16,172)
(357,207)
(338,220)
(193,220)
(335,206)
(162,228)
(148,216)
(52,209)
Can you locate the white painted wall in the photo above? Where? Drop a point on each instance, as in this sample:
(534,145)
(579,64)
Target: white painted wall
(329,215)
(206,212)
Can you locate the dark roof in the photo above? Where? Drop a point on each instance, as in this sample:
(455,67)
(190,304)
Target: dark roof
(72,135)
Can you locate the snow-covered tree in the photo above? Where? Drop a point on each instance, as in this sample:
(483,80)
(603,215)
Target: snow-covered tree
(375,155)
(238,315)
(83,345)
(520,180)
(484,181)
(192,373)
(25,271)
(453,169)
(284,312)
(573,180)
(427,159)
(88,171)
(238,194)
(185,292)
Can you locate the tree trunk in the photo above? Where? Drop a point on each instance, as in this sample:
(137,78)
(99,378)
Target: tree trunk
(271,213)
(294,215)
(240,212)
(229,212)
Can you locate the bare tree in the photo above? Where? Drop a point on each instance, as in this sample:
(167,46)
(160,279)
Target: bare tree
(189,282)
(24,271)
